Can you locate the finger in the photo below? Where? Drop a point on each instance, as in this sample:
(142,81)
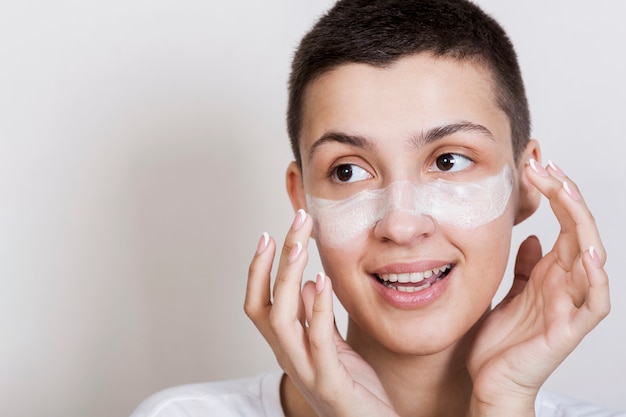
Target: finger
(578,228)
(257,303)
(584,222)
(322,333)
(528,255)
(308,297)
(566,245)
(309,294)
(597,303)
(293,260)
(286,318)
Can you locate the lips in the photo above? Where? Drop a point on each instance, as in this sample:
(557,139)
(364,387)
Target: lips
(409,282)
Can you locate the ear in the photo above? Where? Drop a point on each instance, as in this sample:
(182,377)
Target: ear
(528,196)
(295,186)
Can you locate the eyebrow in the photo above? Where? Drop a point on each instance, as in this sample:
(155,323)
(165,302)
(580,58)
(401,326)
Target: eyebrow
(356,141)
(436,133)
(415,141)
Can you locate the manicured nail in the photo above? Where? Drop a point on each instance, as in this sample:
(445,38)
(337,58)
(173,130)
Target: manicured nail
(299,220)
(320,282)
(572,193)
(265,239)
(295,252)
(558,171)
(538,168)
(593,253)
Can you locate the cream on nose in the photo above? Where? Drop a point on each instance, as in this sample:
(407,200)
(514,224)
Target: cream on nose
(404,216)
(403,196)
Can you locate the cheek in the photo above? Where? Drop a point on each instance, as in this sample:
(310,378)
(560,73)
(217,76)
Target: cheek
(341,265)
(486,252)
(340,232)
(469,206)
(341,224)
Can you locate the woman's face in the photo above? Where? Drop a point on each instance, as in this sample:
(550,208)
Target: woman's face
(409,175)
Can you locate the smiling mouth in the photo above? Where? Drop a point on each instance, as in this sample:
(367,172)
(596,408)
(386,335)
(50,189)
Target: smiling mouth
(414,281)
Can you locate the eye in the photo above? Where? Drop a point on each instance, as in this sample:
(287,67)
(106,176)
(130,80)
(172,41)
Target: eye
(349,173)
(451,162)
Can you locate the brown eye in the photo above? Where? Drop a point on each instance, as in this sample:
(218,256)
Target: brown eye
(350,173)
(344,173)
(445,162)
(452,162)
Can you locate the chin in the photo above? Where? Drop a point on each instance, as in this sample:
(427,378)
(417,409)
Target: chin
(410,339)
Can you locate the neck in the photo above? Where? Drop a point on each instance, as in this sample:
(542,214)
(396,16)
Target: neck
(418,385)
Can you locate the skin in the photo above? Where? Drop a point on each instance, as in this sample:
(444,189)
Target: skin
(453,355)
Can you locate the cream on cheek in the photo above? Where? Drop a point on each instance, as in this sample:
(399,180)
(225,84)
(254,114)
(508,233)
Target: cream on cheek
(463,205)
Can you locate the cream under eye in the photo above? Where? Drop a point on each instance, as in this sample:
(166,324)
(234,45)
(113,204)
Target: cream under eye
(346,173)
(464,205)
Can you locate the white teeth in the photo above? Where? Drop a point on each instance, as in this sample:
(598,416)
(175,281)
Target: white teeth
(413,277)
(416,277)
(404,278)
(412,289)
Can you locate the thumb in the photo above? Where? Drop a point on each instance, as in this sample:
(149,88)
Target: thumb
(323,333)
(318,300)
(308,299)
(528,255)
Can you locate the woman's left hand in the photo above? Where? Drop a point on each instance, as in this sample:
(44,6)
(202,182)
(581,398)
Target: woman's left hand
(555,300)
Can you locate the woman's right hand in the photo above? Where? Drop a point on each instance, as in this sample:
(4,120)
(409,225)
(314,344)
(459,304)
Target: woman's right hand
(298,323)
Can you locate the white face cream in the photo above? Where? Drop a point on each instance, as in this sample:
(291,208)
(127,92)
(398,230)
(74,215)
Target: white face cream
(463,205)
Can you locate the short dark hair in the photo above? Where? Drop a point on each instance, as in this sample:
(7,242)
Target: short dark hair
(379,32)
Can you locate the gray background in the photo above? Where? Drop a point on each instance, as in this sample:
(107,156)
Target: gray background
(143,151)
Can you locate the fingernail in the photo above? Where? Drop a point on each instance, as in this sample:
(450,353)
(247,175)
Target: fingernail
(538,168)
(572,193)
(295,252)
(299,220)
(265,239)
(558,171)
(593,253)
(320,282)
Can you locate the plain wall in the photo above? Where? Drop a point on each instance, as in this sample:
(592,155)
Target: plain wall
(143,151)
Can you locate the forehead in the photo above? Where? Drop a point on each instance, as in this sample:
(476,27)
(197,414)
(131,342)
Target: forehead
(414,94)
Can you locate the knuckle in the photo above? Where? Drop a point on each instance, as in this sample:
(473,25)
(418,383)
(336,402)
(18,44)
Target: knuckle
(315,341)
(281,278)
(589,217)
(276,322)
(318,308)
(253,269)
(604,310)
(250,310)
(254,313)
(286,250)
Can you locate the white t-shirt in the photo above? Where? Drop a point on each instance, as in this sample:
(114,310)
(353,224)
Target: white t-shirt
(259,396)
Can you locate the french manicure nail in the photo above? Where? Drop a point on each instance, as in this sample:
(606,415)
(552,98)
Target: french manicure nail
(295,252)
(538,168)
(263,241)
(558,171)
(320,282)
(593,253)
(572,193)
(299,220)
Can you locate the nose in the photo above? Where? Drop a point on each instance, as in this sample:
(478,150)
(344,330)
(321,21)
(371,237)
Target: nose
(403,227)
(404,220)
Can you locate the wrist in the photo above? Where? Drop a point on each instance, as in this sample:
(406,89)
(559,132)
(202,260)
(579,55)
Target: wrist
(504,407)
